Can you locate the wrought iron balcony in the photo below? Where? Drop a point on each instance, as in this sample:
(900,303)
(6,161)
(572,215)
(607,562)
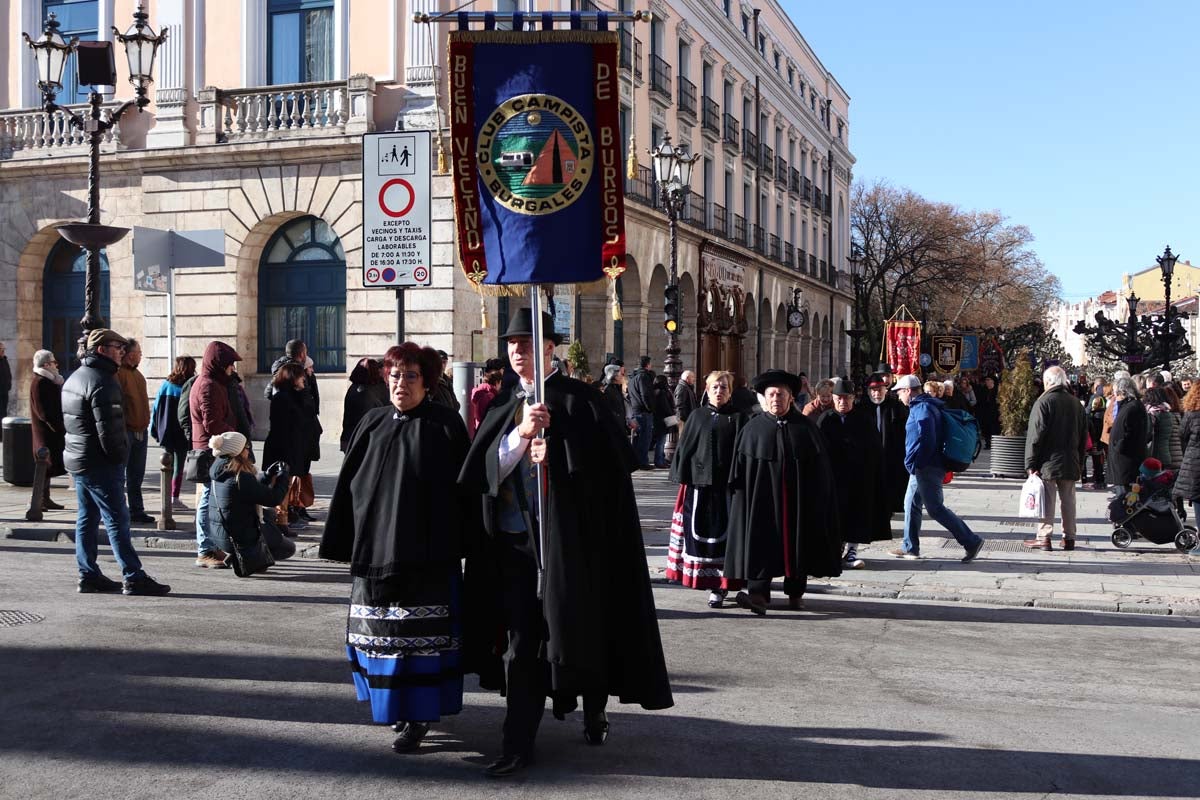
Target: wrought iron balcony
(710,116)
(750,146)
(766,160)
(660,78)
(686,101)
(789,254)
(732,132)
(739,229)
(812,265)
(720,220)
(781,171)
(631,54)
(794,181)
(773,247)
(806,190)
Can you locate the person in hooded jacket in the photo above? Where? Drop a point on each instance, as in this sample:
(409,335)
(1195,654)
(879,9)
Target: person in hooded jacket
(237,493)
(211,413)
(45,411)
(367,390)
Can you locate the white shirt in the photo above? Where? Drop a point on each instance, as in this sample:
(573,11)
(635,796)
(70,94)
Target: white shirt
(513,446)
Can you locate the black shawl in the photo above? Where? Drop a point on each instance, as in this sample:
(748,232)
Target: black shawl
(704,454)
(856,455)
(397,502)
(602,628)
(762,542)
(895,476)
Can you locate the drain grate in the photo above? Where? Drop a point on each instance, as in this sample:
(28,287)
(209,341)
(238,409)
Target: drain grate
(11,619)
(1007,545)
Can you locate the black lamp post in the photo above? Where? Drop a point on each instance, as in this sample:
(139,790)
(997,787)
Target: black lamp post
(673,172)
(1166,264)
(857,332)
(50,53)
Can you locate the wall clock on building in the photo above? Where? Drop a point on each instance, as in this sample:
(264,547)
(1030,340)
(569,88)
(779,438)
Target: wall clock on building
(796,318)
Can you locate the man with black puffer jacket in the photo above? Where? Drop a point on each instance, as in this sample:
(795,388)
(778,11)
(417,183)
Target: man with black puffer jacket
(641,398)
(96,452)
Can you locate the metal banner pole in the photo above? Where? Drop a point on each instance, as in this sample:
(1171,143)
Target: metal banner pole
(539,394)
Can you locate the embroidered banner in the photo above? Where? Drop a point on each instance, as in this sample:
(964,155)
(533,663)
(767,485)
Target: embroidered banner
(970,353)
(947,352)
(536,144)
(903,342)
(991,356)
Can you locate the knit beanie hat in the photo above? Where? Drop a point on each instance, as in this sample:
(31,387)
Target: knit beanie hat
(1150,467)
(230,443)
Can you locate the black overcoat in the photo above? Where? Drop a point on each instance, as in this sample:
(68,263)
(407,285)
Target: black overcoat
(601,624)
(758,531)
(294,428)
(1127,442)
(45,408)
(704,454)
(397,503)
(856,455)
(1187,482)
(891,433)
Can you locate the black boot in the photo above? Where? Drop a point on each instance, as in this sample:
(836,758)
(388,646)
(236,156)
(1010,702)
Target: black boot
(410,736)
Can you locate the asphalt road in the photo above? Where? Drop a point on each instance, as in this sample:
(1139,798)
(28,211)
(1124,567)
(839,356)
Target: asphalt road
(236,688)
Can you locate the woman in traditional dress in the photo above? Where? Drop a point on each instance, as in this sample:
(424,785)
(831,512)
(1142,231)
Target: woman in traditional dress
(696,554)
(400,518)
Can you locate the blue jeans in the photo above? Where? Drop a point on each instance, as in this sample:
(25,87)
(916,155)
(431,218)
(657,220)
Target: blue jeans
(644,437)
(660,450)
(100,493)
(925,486)
(135,472)
(204,542)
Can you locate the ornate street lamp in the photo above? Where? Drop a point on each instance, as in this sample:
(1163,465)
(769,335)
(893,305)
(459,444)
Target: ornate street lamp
(857,332)
(1166,264)
(673,172)
(50,52)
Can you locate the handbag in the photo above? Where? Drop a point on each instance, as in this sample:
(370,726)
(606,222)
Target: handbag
(250,559)
(196,465)
(1033,498)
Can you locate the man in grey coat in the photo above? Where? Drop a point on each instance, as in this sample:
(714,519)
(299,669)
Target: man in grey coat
(1054,450)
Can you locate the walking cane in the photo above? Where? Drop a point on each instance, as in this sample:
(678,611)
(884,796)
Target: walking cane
(539,393)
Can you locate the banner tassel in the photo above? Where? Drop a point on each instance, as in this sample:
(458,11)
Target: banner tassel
(616,304)
(483,312)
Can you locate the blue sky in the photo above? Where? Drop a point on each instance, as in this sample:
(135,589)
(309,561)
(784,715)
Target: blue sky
(1079,120)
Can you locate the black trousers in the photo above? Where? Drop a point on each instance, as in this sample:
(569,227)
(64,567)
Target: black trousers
(526,672)
(792,587)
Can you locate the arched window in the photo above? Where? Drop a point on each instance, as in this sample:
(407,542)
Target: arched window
(302,295)
(62,301)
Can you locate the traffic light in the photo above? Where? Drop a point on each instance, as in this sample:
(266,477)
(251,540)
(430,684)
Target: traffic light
(671,309)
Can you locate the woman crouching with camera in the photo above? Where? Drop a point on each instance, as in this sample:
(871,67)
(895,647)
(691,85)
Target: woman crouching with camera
(236,494)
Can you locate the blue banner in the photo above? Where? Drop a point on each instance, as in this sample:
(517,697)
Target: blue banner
(970,353)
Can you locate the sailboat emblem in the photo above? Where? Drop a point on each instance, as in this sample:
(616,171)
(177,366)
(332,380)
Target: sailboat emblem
(535,154)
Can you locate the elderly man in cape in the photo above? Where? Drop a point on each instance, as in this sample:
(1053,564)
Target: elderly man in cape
(783,517)
(569,633)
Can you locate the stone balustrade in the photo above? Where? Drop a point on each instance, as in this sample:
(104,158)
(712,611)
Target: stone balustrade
(32,133)
(328,108)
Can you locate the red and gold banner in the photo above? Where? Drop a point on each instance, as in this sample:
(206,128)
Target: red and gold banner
(902,346)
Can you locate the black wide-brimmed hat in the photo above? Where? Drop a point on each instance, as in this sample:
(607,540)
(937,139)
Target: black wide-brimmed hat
(776,377)
(843,386)
(521,324)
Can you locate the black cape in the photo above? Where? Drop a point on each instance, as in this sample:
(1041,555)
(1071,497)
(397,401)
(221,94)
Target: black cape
(704,454)
(856,455)
(601,624)
(397,502)
(895,476)
(758,531)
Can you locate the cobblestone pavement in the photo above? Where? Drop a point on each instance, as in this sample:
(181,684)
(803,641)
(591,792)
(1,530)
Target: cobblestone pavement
(1096,576)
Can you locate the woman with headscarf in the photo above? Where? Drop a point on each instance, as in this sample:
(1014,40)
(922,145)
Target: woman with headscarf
(696,553)
(367,390)
(165,425)
(401,519)
(45,407)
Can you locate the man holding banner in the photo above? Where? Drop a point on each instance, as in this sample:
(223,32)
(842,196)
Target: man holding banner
(568,631)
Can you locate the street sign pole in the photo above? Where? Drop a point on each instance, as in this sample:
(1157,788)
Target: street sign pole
(399,314)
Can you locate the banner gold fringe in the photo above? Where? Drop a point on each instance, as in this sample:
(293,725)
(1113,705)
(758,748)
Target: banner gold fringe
(536,37)
(483,320)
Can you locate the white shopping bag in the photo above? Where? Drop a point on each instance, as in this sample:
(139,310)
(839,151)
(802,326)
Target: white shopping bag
(1033,498)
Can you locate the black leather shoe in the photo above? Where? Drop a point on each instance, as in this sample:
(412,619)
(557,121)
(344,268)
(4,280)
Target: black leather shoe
(98,583)
(142,518)
(752,603)
(504,766)
(145,586)
(50,505)
(410,737)
(595,728)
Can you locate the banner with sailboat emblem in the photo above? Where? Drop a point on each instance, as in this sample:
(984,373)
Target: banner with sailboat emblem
(536,150)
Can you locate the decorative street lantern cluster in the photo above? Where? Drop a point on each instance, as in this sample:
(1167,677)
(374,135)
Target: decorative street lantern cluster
(673,172)
(51,53)
(857,332)
(1145,342)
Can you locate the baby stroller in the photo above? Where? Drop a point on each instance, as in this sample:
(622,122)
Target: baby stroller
(1150,513)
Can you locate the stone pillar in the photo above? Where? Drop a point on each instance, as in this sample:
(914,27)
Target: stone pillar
(361,89)
(421,70)
(172,97)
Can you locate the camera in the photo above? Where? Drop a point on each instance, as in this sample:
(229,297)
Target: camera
(278,468)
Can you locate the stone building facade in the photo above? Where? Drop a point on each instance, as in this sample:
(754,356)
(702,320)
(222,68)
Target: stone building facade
(277,167)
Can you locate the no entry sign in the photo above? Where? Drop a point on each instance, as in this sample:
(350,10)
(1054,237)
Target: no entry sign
(396,216)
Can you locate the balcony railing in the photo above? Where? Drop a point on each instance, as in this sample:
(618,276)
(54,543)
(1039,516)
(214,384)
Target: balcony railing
(758,239)
(294,110)
(660,78)
(824,270)
(774,249)
(818,198)
(801,260)
(631,54)
(32,133)
(812,265)
(693,210)
(806,191)
(781,171)
(750,146)
(720,220)
(789,254)
(767,160)
(686,97)
(642,188)
(710,116)
(732,129)
(739,229)
(794,181)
